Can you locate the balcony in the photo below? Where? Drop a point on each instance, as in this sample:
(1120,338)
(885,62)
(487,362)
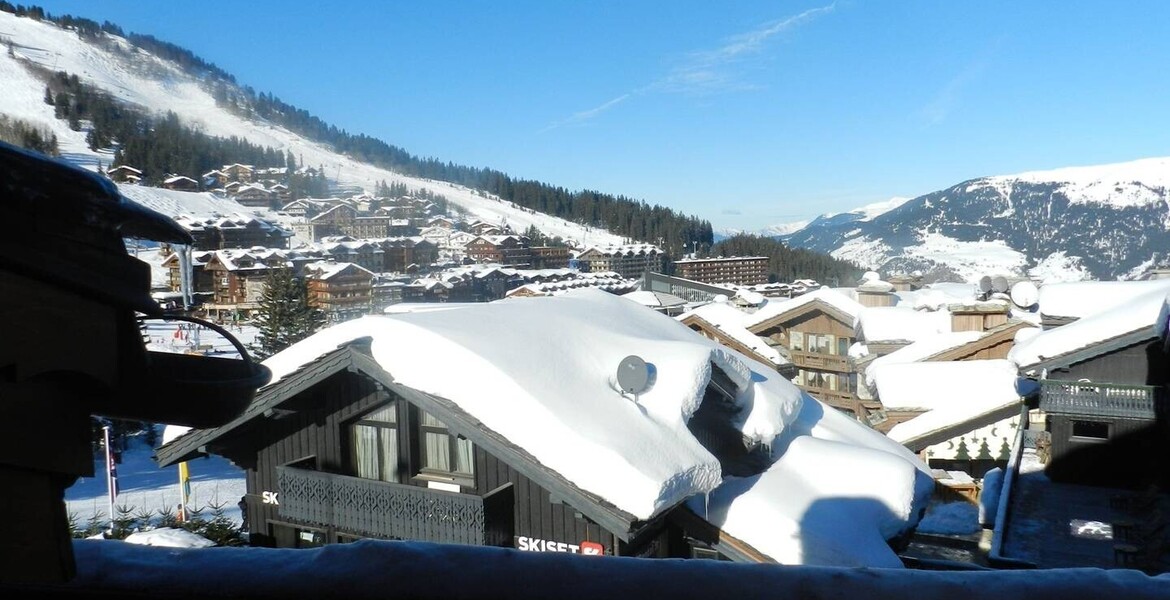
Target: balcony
(396,511)
(1097,399)
(826,362)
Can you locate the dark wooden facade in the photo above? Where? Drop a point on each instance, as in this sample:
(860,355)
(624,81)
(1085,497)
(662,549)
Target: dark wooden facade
(1107,414)
(303,490)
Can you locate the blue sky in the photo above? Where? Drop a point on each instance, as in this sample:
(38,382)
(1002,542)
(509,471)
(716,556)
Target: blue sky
(748,113)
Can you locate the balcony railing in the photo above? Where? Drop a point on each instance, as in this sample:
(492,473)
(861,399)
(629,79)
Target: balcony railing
(816,360)
(392,510)
(1097,399)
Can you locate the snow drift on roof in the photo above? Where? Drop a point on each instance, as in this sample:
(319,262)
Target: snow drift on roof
(541,373)
(832,297)
(933,385)
(923,349)
(1146,312)
(730,320)
(837,492)
(797,514)
(895,323)
(1083,298)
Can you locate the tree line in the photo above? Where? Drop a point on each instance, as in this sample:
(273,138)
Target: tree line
(160,146)
(787,264)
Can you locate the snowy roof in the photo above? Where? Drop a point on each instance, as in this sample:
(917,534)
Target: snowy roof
(895,323)
(178,178)
(833,298)
(1083,298)
(818,504)
(559,401)
(654,299)
(730,320)
(951,392)
(555,397)
(923,349)
(1144,316)
(327,270)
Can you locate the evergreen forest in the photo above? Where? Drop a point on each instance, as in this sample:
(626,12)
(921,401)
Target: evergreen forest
(787,264)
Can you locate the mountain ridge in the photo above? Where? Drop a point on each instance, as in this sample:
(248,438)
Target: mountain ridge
(1101,221)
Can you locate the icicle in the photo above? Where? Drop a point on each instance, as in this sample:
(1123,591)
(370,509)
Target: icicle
(184,253)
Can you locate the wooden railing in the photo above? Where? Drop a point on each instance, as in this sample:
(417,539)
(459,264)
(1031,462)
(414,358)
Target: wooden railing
(392,510)
(815,360)
(1097,399)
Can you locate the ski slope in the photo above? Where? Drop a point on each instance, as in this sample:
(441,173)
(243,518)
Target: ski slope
(139,78)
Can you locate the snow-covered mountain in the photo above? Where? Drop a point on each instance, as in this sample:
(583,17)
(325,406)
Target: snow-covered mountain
(139,78)
(1102,222)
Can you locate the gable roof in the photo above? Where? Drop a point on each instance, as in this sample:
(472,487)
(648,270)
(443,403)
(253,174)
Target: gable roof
(832,302)
(273,400)
(1139,319)
(988,392)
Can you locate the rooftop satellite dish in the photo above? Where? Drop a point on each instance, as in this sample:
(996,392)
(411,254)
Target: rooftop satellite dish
(633,375)
(1025,294)
(999,283)
(985,284)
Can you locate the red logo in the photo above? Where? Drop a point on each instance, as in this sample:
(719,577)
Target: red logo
(592,549)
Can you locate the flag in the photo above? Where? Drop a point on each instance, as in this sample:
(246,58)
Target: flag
(184,490)
(111,471)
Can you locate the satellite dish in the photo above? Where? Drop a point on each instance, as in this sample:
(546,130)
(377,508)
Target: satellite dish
(999,283)
(1025,294)
(985,284)
(633,375)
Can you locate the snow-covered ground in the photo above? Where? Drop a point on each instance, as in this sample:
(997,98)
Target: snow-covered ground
(144,486)
(139,78)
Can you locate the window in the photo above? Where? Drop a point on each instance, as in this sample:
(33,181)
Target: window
(1096,431)
(375,444)
(797,340)
(444,453)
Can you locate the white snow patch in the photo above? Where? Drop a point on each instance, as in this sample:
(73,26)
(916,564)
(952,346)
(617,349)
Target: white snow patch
(169,537)
(1058,267)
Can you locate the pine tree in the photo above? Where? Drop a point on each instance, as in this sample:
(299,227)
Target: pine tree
(286,317)
(984,451)
(48,96)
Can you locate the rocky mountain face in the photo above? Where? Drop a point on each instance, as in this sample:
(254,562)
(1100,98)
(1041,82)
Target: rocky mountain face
(1105,222)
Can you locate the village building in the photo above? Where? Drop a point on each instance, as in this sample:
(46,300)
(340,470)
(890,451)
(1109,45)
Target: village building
(455,437)
(1088,476)
(736,270)
(509,250)
(550,257)
(817,329)
(234,231)
(124,174)
(630,261)
(180,183)
(724,323)
(342,290)
(254,195)
(238,173)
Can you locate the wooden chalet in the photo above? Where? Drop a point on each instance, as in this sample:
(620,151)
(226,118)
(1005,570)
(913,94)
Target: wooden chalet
(342,290)
(508,250)
(124,174)
(817,330)
(338,451)
(550,257)
(630,261)
(239,173)
(1103,389)
(181,183)
(255,196)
